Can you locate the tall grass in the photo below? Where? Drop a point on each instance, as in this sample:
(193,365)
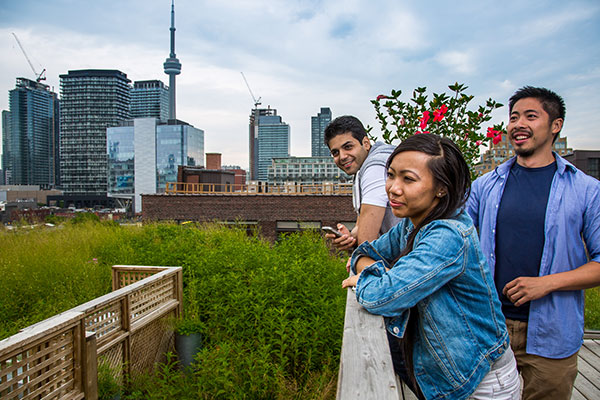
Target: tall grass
(272,314)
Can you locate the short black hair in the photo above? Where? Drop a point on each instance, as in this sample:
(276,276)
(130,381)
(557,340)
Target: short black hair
(552,103)
(345,124)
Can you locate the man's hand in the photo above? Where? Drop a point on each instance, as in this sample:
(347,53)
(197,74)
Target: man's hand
(344,242)
(526,288)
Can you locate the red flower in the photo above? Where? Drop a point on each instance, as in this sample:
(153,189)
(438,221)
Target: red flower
(438,115)
(425,132)
(402,121)
(491,132)
(443,109)
(424,120)
(381,96)
(497,139)
(478,143)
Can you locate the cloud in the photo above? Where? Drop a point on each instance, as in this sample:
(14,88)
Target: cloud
(458,61)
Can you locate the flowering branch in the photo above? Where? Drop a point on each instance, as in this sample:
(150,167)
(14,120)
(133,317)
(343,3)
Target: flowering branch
(444,115)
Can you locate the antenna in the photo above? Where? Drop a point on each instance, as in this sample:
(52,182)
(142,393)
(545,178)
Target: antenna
(38,77)
(256,101)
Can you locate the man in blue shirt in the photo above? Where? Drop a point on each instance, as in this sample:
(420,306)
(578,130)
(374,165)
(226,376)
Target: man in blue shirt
(536,215)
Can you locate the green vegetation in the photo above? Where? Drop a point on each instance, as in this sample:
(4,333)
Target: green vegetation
(271,316)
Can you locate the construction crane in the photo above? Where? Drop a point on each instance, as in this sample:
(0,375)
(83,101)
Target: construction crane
(38,77)
(256,101)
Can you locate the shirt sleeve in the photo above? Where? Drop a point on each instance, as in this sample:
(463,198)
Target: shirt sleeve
(472,204)
(372,186)
(591,223)
(435,260)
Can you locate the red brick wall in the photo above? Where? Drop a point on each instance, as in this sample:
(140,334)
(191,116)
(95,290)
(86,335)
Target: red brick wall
(266,209)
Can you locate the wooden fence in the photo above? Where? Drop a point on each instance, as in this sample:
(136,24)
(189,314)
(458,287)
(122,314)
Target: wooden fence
(366,370)
(128,329)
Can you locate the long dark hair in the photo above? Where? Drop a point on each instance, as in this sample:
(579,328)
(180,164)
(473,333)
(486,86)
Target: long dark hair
(451,175)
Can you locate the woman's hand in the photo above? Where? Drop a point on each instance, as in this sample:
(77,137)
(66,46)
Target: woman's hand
(351,281)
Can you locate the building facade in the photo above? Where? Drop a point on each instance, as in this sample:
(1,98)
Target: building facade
(318,124)
(150,99)
(255,116)
(503,150)
(144,154)
(31,131)
(306,170)
(91,101)
(5,147)
(586,160)
(273,141)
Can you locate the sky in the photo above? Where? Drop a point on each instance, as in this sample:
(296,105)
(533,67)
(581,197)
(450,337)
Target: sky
(301,55)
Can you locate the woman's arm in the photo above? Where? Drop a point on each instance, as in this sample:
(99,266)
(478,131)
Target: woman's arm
(437,258)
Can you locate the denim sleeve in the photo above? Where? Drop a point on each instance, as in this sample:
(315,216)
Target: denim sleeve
(437,258)
(385,248)
(472,204)
(591,223)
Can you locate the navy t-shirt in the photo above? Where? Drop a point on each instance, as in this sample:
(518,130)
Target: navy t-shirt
(520,230)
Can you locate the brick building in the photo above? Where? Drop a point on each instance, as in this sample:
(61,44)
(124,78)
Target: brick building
(271,214)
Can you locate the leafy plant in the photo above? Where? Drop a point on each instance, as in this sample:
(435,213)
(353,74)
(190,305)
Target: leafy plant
(446,115)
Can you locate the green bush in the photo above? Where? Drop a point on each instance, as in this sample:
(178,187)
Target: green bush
(272,315)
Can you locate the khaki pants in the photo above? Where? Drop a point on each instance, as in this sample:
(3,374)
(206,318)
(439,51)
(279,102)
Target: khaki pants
(543,378)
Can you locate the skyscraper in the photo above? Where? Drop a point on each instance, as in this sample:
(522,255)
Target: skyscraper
(143,155)
(31,129)
(318,124)
(172,66)
(5,147)
(150,99)
(91,101)
(272,140)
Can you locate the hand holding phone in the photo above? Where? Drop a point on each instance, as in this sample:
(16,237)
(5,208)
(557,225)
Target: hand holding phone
(331,230)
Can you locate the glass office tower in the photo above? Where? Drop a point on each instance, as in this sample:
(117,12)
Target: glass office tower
(269,138)
(150,99)
(144,154)
(318,124)
(91,101)
(32,135)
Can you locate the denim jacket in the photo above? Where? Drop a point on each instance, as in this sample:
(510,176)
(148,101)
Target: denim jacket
(460,327)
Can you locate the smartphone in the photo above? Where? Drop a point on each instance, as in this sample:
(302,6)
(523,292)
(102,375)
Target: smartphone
(329,229)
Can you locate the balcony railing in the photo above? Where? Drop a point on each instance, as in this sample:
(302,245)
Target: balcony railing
(127,329)
(257,189)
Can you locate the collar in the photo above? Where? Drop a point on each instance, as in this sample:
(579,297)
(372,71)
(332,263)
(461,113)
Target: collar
(562,166)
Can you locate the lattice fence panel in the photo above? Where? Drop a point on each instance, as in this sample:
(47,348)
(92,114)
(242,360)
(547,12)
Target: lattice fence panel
(105,321)
(44,370)
(129,277)
(150,298)
(150,343)
(114,358)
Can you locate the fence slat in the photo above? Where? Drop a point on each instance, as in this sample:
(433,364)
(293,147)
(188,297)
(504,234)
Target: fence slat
(366,370)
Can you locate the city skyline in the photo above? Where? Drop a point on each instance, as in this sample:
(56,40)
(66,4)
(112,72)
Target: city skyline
(301,56)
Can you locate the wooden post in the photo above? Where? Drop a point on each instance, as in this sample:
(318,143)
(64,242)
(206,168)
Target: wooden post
(366,370)
(90,367)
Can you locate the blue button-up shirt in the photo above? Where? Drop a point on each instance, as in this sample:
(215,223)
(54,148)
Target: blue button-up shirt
(555,327)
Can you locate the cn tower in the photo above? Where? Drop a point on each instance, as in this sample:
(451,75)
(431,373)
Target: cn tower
(172,65)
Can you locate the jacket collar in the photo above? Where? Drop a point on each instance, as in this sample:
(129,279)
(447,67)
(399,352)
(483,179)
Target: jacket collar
(562,165)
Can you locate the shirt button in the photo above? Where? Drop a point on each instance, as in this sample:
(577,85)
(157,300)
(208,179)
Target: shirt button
(501,350)
(396,329)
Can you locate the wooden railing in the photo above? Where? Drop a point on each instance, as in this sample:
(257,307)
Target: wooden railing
(127,329)
(366,370)
(257,189)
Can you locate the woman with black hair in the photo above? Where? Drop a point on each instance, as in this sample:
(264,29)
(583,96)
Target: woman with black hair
(430,280)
